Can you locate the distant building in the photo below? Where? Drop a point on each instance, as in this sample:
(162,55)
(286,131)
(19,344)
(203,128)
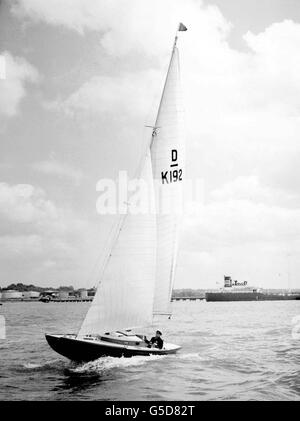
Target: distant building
(11,294)
(91,292)
(50,293)
(31,294)
(83,293)
(63,295)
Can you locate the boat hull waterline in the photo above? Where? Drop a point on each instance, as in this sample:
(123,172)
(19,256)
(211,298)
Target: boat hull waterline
(83,350)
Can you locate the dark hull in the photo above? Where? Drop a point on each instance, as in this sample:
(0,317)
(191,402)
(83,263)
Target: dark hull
(248,296)
(81,351)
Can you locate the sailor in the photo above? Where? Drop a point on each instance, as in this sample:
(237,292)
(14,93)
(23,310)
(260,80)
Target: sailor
(156,341)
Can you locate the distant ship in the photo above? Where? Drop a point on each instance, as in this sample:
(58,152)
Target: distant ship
(240,291)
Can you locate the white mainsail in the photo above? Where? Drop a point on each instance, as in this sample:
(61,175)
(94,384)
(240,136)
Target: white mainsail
(168,162)
(138,277)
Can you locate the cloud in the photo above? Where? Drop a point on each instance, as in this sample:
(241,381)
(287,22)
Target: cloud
(243,212)
(276,66)
(111,95)
(33,231)
(24,203)
(14,246)
(253,237)
(25,208)
(250,188)
(242,108)
(244,105)
(18,72)
(136,26)
(242,112)
(242,221)
(54,168)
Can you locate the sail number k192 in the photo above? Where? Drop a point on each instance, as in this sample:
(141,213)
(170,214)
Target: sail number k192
(174,174)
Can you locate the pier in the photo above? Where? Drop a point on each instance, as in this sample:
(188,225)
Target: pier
(71,300)
(52,300)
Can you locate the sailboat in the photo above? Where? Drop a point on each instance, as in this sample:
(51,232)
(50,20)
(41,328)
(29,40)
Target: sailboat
(137,279)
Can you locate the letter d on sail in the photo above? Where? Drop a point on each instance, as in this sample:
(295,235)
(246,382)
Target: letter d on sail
(174,155)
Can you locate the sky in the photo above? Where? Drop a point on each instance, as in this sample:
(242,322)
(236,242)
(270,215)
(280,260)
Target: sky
(84,77)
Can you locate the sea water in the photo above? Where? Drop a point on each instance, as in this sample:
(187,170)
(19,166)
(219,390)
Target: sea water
(230,351)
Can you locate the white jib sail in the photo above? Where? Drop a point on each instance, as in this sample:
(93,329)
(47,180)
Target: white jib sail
(168,164)
(124,297)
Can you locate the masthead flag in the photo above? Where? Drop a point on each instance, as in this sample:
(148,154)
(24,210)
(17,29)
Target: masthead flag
(182,27)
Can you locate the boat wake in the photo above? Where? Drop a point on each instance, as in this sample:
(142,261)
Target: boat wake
(56,364)
(193,356)
(100,366)
(108,363)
